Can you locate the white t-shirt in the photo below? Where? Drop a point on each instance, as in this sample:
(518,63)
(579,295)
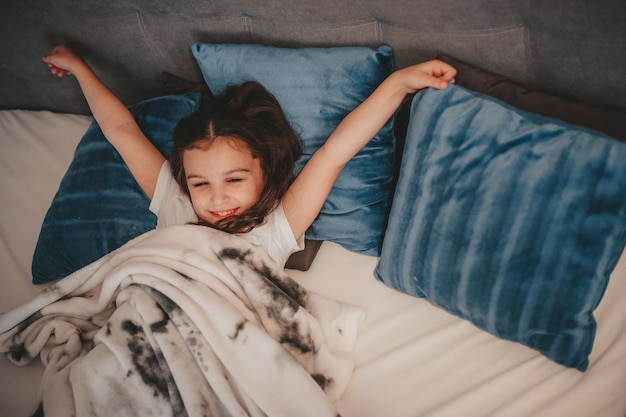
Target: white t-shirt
(173,207)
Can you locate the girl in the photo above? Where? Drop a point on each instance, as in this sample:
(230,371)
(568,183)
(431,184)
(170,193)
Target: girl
(232,161)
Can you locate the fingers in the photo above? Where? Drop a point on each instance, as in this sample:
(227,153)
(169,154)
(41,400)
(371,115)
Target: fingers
(443,72)
(436,74)
(440,82)
(441,68)
(59,72)
(57,60)
(56,50)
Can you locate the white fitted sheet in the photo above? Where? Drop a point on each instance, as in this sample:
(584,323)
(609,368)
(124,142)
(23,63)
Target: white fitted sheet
(412,359)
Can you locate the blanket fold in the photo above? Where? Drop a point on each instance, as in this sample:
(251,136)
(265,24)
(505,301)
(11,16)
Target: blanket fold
(185,321)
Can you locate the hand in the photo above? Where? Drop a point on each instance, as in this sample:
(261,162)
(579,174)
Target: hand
(62,60)
(436,74)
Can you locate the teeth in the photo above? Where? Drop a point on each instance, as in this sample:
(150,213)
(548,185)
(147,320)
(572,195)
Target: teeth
(224,213)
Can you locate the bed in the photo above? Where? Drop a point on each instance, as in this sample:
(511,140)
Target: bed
(447,294)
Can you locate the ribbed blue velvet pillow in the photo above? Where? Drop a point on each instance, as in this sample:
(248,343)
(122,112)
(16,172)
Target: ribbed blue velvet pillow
(508,219)
(317,88)
(99,206)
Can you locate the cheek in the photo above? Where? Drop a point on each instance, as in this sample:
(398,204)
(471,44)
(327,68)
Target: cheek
(198,203)
(196,199)
(259,186)
(255,193)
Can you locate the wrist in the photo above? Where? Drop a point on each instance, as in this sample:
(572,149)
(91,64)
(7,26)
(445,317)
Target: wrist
(79,68)
(398,85)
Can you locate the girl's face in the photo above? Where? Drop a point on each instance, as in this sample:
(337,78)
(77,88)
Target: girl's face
(224,179)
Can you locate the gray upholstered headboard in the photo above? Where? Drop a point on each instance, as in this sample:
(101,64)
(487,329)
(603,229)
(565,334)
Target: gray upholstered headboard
(576,49)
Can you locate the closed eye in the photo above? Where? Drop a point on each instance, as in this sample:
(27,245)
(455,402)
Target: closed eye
(234,180)
(199,184)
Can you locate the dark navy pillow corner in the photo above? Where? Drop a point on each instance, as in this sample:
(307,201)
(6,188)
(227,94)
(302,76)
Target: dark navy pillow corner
(99,206)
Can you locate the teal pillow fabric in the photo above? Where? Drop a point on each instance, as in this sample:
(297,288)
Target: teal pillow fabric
(317,88)
(508,219)
(99,206)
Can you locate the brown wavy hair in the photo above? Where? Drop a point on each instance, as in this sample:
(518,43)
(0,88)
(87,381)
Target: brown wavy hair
(251,114)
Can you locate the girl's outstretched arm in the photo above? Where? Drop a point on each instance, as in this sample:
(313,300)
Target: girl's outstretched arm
(307,194)
(117,123)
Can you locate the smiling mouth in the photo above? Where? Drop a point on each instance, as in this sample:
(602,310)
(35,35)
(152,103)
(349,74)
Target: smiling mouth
(222,214)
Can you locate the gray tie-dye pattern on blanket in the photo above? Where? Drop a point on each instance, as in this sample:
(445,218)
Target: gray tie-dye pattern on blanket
(189,322)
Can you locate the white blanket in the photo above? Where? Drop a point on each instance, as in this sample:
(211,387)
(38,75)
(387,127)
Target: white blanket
(184,321)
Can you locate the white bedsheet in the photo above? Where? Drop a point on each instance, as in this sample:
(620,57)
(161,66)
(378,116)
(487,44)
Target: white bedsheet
(412,359)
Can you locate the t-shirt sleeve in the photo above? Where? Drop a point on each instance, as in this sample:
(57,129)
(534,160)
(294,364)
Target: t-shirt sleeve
(169,203)
(281,242)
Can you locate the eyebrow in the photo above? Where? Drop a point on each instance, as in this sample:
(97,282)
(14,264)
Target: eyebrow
(227,173)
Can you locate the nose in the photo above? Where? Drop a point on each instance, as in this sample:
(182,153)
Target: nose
(218,196)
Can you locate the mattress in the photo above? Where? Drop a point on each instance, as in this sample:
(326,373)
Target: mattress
(411,358)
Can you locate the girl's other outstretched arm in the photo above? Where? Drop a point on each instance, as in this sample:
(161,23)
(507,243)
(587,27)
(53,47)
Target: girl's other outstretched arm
(117,123)
(307,194)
